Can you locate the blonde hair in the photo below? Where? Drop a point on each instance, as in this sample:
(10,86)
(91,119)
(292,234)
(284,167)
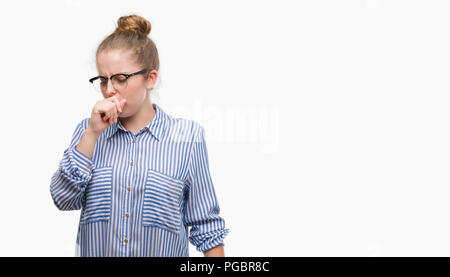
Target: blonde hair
(132,33)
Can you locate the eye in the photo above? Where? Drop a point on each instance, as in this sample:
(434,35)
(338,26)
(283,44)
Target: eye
(120,78)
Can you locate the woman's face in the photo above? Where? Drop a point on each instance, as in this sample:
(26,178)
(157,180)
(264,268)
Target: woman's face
(116,61)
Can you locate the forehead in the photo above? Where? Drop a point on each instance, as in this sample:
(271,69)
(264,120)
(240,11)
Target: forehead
(115,61)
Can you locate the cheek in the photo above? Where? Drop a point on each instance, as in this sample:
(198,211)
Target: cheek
(129,94)
(134,96)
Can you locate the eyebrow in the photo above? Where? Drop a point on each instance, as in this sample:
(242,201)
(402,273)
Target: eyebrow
(100,75)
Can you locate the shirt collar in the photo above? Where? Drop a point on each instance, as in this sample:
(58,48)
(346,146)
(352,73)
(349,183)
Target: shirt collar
(156,127)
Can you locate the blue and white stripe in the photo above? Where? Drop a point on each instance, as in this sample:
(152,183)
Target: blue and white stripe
(140,193)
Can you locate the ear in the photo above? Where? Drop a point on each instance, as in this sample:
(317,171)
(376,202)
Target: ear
(151,80)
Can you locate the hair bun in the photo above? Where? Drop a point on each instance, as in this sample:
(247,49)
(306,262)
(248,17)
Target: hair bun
(134,22)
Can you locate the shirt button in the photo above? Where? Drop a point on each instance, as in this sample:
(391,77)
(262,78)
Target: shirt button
(128,188)
(126,241)
(131,163)
(89,166)
(133,141)
(127,215)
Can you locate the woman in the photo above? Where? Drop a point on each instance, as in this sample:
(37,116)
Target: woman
(140,176)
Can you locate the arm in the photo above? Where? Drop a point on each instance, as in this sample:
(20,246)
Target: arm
(215,252)
(202,208)
(68,183)
(87,143)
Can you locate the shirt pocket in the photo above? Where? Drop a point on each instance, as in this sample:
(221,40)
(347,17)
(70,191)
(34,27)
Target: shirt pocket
(98,196)
(162,201)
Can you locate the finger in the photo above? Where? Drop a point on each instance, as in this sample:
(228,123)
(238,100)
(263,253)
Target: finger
(115,112)
(119,108)
(122,103)
(116,101)
(111,118)
(107,116)
(114,119)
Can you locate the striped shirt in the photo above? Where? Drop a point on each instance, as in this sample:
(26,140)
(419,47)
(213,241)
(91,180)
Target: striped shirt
(139,193)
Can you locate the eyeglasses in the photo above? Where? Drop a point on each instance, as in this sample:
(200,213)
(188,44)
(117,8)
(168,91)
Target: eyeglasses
(119,81)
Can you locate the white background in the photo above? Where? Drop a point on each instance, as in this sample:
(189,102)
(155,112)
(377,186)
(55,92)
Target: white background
(326,121)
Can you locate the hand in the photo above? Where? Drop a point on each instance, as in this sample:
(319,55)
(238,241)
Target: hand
(105,113)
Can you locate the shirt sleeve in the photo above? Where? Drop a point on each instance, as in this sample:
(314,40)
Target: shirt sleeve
(202,207)
(69,181)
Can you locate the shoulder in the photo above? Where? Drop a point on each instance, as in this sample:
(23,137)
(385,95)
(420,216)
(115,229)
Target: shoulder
(183,128)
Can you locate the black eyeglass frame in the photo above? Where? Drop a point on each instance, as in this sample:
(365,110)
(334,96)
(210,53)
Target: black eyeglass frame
(123,74)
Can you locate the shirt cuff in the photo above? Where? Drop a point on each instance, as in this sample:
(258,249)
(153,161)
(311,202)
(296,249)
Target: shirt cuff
(210,240)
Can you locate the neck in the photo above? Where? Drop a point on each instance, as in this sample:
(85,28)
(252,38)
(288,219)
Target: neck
(140,119)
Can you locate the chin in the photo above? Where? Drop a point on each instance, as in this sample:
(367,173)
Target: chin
(124,115)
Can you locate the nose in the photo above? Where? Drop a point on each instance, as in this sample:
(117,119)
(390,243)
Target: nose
(110,90)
